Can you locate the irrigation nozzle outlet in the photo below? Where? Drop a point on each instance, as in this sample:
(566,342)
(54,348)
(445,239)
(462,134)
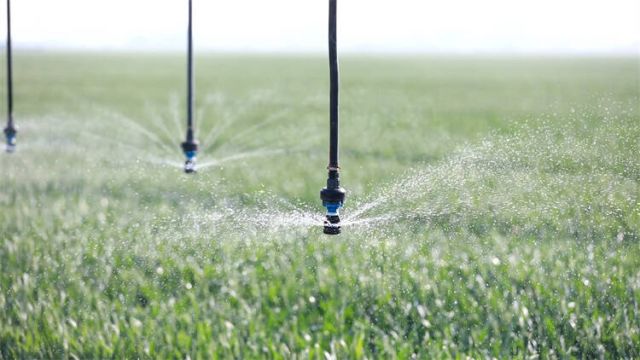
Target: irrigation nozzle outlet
(190,149)
(333,199)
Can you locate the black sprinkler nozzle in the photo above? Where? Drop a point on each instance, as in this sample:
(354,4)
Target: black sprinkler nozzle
(190,149)
(332,225)
(10,133)
(190,166)
(332,199)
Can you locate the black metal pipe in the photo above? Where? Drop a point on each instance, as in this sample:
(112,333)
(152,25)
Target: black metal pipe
(333,195)
(190,79)
(10,131)
(9,70)
(334,87)
(190,146)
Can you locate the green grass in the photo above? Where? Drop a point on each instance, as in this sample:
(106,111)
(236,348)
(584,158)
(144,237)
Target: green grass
(499,203)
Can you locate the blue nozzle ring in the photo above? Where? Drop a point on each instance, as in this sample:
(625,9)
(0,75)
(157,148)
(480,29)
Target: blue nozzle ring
(11,139)
(191,155)
(332,208)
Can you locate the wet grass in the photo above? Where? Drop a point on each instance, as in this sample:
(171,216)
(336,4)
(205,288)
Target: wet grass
(494,209)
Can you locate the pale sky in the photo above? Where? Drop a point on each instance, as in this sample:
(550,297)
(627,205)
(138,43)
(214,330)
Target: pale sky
(414,26)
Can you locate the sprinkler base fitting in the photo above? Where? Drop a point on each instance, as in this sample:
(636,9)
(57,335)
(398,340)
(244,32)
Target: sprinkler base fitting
(190,150)
(10,134)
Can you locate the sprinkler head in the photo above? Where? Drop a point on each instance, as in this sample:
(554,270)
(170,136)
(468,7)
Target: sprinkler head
(190,166)
(10,134)
(332,224)
(332,199)
(190,149)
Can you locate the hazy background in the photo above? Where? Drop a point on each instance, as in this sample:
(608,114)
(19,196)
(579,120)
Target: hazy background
(411,26)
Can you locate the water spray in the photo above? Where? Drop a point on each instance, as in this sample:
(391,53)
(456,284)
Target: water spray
(333,195)
(190,145)
(10,131)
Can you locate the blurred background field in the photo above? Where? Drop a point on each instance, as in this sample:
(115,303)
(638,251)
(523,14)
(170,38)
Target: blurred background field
(493,208)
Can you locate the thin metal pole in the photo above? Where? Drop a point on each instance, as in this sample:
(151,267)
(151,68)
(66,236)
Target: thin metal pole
(190,79)
(334,87)
(9,70)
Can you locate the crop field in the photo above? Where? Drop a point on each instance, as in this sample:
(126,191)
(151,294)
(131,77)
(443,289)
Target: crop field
(493,209)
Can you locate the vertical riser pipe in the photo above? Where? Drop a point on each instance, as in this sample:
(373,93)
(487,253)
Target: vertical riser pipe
(333,195)
(334,86)
(190,145)
(10,131)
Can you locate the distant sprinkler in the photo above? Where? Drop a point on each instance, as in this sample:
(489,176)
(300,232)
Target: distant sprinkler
(190,145)
(333,195)
(10,131)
